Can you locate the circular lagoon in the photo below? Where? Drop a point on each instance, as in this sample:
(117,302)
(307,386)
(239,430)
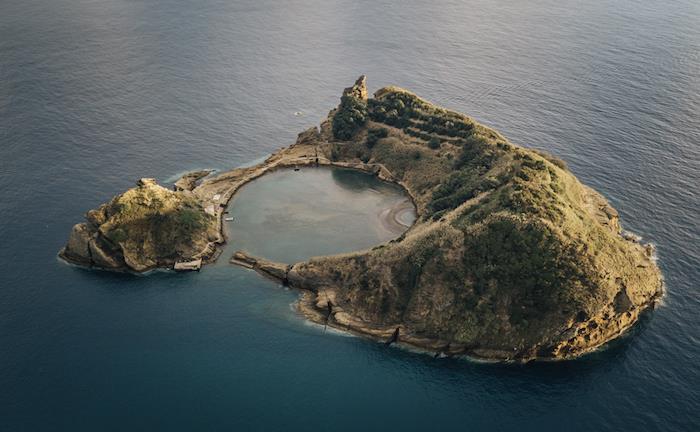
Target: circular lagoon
(291,215)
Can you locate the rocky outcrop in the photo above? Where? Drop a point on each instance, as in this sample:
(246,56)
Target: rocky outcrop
(357,90)
(144,228)
(309,136)
(351,114)
(189,181)
(274,270)
(78,247)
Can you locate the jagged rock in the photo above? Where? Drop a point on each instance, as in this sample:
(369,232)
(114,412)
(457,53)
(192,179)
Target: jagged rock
(138,262)
(103,257)
(622,302)
(358,90)
(145,182)
(77,249)
(309,136)
(189,181)
(96,217)
(145,227)
(351,114)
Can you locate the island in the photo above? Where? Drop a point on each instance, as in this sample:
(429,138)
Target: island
(511,258)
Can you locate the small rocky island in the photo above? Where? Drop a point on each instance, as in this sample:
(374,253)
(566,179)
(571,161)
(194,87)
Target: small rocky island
(511,257)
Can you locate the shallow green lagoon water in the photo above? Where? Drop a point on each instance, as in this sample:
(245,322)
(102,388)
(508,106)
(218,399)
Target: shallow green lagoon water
(290,216)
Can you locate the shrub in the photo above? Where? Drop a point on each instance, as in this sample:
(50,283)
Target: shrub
(351,116)
(374,135)
(118,235)
(434,143)
(553,159)
(189,219)
(526,261)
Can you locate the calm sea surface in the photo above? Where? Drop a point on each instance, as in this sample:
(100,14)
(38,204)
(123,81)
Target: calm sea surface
(97,93)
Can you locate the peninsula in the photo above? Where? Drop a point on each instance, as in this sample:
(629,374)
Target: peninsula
(511,257)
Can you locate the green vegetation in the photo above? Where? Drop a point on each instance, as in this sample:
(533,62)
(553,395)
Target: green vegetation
(171,228)
(418,118)
(190,219)
(150,223)
(434,143)
(553,159)
(509,249)
(118,235)
(350,117)
(526,260)
(374,135)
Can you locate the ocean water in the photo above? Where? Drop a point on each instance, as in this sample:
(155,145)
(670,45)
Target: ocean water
(97,93)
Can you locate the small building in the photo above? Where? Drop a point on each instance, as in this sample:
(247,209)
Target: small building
(194,265)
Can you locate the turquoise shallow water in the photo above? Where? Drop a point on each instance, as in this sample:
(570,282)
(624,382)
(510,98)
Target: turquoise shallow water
(97,93)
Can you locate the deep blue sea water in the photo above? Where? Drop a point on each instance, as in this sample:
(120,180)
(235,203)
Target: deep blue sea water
(97,93)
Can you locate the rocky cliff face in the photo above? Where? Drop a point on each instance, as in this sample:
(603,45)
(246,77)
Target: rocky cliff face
(145,227)
(511,257)
(357,90)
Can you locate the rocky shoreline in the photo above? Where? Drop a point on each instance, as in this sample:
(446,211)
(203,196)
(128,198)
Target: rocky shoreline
(314,301)
(321,306)
(314,306)
(216,192)
(511,258)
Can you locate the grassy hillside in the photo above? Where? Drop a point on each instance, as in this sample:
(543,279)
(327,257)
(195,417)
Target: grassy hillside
(145,227)
(511,256)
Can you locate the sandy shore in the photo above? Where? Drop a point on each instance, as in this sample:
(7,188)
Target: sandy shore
(393,218)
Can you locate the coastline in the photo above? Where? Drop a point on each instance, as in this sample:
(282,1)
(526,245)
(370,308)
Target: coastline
(297,155)
(312,305)
(217,192)
(510,257)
